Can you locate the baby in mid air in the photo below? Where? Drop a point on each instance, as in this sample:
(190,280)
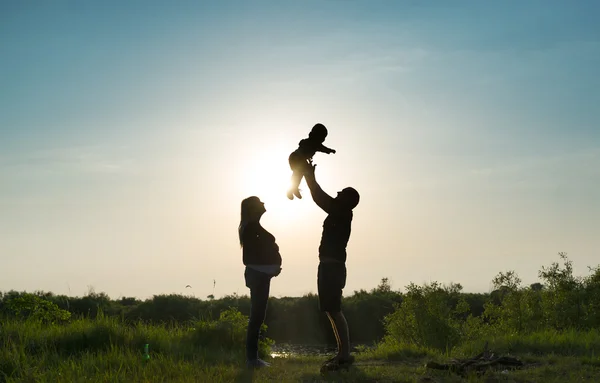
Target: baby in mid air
(305,152)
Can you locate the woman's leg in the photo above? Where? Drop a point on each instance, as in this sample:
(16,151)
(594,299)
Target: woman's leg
(260,284)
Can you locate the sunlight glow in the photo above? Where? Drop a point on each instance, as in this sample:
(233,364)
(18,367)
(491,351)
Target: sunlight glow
(267,175)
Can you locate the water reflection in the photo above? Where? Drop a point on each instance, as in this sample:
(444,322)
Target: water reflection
(281,354)
(291,350)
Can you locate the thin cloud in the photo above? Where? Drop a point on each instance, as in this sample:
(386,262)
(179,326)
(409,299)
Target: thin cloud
(66,160)
(539,162)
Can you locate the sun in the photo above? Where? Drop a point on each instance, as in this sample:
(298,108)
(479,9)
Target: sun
(267,176)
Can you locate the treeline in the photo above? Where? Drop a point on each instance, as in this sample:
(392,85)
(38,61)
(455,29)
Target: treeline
(432,315)
(289,319)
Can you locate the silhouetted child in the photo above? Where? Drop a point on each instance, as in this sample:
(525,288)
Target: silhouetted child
(306,150)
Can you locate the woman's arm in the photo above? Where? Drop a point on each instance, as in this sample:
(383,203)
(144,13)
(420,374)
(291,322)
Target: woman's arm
(250,236)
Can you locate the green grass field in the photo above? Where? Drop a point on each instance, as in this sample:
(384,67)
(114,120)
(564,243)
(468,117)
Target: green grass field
(107,350)
(119,365)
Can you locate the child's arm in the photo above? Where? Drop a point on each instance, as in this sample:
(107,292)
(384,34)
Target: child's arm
(324,149)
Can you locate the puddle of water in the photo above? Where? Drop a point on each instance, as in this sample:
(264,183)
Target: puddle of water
(281,354)
(290,350)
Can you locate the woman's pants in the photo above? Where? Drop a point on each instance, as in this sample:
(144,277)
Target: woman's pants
(259,284)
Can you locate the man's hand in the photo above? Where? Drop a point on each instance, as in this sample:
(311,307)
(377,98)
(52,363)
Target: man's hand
(332,151)
(322,199)
(309,169)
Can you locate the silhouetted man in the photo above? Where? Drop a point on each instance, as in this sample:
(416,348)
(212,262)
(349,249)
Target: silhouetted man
(331,276)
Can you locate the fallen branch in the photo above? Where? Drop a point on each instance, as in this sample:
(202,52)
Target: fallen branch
(483,361)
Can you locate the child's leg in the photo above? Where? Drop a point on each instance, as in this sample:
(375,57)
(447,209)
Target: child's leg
(296,163)
(297,179)
(295,183)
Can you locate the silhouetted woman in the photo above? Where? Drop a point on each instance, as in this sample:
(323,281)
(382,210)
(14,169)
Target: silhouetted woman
(263,262)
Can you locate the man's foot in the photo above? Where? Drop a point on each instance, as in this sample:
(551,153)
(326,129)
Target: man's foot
(337,363)
(332,359)
(346,361)
(257,363)
(297,194)
(339,357)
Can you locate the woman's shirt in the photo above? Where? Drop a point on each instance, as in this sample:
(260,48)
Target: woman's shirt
(259,246)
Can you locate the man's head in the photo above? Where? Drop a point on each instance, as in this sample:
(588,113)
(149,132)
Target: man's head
(349,197)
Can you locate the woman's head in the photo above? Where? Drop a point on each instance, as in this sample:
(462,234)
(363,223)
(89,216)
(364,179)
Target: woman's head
(252,209)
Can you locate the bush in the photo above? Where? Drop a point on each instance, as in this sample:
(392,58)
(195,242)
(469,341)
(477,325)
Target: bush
(32,307)
(516,316)
(227,333)
(426,317)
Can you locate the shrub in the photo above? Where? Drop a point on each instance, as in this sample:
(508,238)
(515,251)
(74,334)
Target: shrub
(426,317)
(227,333)
(32,307)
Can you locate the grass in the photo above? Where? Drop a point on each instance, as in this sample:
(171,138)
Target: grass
(549,342)
(119,366)
(106,350)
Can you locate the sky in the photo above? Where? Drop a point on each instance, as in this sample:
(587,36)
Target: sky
(131,131)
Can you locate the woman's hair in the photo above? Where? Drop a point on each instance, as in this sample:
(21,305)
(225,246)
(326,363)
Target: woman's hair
(248,205)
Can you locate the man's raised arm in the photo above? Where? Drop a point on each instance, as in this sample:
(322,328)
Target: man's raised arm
(322,199)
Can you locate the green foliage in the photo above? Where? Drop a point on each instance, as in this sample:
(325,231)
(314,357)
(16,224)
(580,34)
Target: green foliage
(289,319)
(514,309)
(431,316)
(297,320)
(426,317)
(542,342)
(365,311)
(564,303)
(227,333)
(24,345)
(32,307)
(103,338)
(437,317)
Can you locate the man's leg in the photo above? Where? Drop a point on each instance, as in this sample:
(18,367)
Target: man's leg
(342,334)
(331,279)
(337,335)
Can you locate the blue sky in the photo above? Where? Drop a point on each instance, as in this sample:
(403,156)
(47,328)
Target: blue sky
(130,132)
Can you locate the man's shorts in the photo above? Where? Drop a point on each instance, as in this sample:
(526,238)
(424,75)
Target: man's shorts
(331,279)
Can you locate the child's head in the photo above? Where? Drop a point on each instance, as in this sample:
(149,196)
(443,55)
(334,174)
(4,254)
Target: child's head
(318,133)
